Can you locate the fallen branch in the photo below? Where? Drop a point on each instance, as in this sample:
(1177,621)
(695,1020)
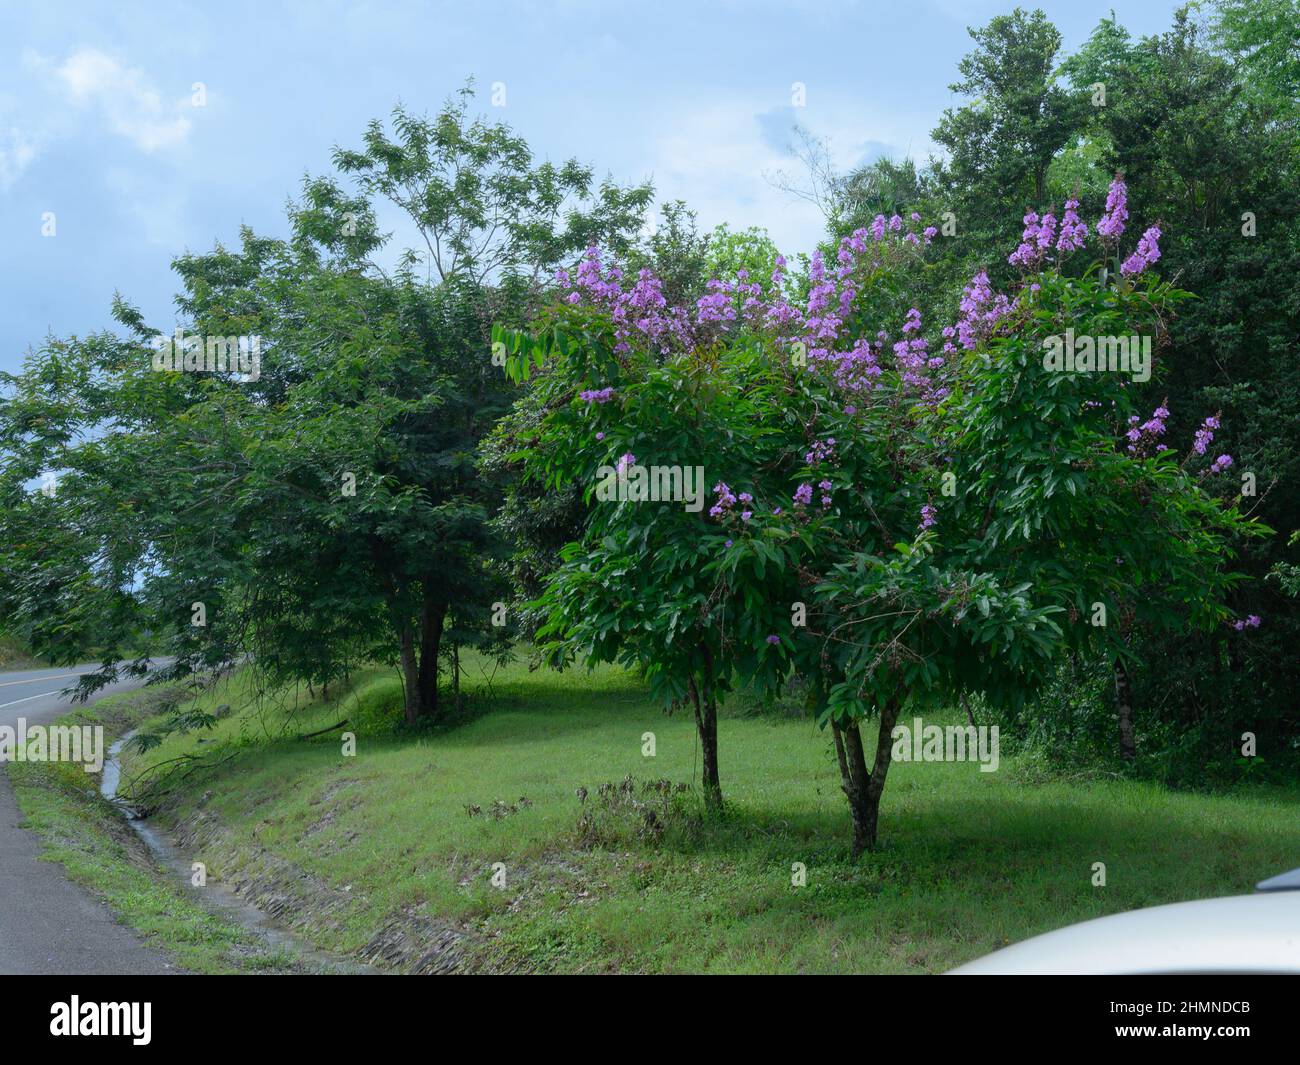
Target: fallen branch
(321,732)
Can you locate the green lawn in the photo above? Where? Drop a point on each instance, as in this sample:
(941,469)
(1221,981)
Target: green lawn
(970,861)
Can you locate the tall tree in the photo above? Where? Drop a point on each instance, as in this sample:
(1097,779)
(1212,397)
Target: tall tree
(1002,142)
(326,505)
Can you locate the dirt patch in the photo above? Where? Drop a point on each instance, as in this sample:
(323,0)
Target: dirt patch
(406,942)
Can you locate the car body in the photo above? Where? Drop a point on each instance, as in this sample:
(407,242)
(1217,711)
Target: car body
(1256,934)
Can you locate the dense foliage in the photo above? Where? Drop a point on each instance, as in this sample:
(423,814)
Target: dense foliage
(897,519)
(859,479)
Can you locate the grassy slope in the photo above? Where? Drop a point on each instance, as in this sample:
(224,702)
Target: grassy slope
(60,802)
(971,861)
(15,655)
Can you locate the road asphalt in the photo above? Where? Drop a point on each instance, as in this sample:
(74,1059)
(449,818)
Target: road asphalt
(48,924)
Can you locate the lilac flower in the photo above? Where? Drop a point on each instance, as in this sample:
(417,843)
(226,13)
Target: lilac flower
(774,639)
(1150,429)
(1205,434)
(600,435)
(1073,231)
(626,460)
(1046,232)
(597,395)
(1028,254)
(1221,463)
(726,499)
(803,495)
(928,516)
(821,451)
(1111,224)
(980,312)
(1146,253)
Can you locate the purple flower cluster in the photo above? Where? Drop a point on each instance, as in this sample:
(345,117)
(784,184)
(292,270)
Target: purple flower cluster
(828,329)
(642,309)
(1030,252)
(1221,463)
(725,501)
(1146,253)
(912,354)
(1111,225)
(820,451)
(1074,232)
(1147,433)
(1205,434)
(980,311)
(1251,621)
(928,516)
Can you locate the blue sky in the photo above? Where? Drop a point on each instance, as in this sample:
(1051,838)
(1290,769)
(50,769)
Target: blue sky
(99,128)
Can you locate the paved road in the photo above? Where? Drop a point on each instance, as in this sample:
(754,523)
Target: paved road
(49,925)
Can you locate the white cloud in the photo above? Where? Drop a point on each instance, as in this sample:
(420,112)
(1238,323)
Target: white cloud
(17,150)
(714,157)
(123,96)
(721,158)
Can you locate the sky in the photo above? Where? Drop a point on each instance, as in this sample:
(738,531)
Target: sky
(131,133)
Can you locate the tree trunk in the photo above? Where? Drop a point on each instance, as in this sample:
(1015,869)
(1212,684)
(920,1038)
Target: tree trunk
(410,676)
(880,770)
(1123,704)
(862,788)
(432,617)
(706,723)
(854,778)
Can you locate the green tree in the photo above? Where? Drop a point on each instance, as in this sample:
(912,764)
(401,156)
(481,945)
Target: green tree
(1213,159)
(1002,143)
(327,506)
(890,526)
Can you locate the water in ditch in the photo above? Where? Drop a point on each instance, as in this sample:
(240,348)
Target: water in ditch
(213,895)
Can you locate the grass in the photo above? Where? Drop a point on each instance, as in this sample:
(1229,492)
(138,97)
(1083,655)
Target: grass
(388,838)
(15,655)
(61,803)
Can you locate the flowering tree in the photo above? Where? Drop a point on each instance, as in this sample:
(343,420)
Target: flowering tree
(898,517)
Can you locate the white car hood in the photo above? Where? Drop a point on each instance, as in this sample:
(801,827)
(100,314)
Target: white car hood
(1240,934)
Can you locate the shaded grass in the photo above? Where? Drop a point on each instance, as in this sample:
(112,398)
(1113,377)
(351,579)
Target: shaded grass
(969,861)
